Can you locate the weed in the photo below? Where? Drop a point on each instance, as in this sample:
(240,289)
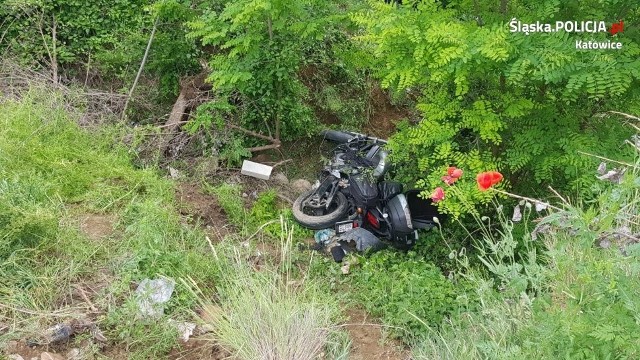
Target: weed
(398,287)
(267,315)
(230,198)
(579,306)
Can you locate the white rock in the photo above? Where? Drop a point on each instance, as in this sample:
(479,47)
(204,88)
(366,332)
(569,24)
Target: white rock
(345,269)
(256,170)
(173,173)
(184,328)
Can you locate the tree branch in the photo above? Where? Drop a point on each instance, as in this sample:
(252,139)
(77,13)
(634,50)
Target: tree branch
(253,133)
(144,60)
(265,147)
(54,59)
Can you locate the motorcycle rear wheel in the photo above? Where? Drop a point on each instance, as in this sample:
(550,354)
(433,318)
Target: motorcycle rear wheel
(337,211)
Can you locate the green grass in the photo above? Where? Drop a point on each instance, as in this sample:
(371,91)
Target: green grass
(397,287)
(271,313)
(53,173)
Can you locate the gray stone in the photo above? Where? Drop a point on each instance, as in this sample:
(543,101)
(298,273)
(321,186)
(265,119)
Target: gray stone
(15,357)
(50,356)
(74,354)
(301,185)
(280,178)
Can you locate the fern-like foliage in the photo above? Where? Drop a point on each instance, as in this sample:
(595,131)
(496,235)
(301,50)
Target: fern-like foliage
(526,105)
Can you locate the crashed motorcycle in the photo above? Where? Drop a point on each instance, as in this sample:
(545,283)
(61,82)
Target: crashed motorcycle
(351,193)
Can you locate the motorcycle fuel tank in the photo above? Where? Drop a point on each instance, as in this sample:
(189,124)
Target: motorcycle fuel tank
(363,191)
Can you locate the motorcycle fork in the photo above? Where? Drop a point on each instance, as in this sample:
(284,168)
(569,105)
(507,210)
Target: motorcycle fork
(330,186)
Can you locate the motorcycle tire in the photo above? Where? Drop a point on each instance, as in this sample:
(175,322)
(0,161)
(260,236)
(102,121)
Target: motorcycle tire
(322,221)
(337,136)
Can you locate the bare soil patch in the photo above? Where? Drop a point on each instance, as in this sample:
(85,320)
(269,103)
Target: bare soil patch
(368,341)
(203,208)
(385,115)
(198,349)
(96,226)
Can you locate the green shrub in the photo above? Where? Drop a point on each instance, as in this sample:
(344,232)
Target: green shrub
(490,99)
(403,290)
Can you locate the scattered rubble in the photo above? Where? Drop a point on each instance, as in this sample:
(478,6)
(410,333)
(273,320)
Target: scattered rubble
(57,333)
(174,174)
(74,354)
(51,356)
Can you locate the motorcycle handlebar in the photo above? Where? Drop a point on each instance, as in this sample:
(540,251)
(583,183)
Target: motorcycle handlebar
(361,136)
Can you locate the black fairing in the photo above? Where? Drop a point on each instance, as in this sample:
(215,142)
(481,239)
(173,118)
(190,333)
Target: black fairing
(363,191)
(422,210)
(399,215)
(389,189)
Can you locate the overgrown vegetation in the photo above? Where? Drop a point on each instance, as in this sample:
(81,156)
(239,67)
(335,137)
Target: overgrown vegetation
(404,291)
(559,283)
(493,99)
(55,176)
(261,316)
(573,299)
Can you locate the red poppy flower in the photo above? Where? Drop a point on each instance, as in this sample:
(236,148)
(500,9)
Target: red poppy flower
(487,179)
(448,179)
(457,173)
(437,195)
(496,177)
(450,170)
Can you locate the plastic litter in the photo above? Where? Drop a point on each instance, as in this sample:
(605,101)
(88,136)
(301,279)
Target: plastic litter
(363,239)
(338,253)
(54,334)
(541,206)
(185,329)
(152,295)
(324,236)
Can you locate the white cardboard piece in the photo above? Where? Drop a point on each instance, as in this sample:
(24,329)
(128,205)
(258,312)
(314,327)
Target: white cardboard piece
(256,170)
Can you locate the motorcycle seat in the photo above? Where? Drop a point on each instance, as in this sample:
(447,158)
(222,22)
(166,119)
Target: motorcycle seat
(389,189)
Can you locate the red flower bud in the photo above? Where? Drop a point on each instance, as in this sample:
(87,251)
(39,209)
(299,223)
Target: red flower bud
(437,195)
(448,179)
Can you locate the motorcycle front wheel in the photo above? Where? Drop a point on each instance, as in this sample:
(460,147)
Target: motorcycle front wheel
(314,217)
